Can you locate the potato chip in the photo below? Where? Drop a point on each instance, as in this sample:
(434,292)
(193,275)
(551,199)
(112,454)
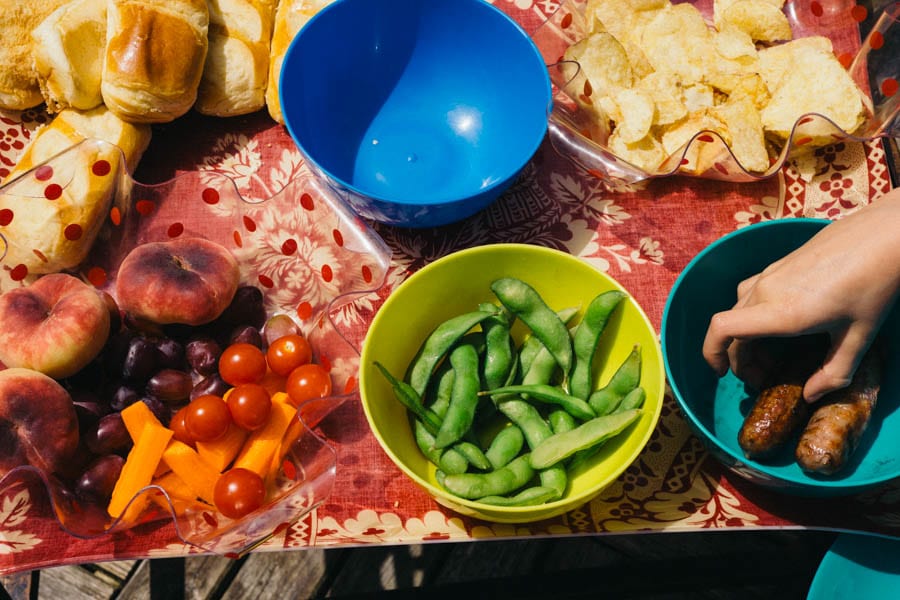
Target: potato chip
(813,81)
(667,96)
(734,44)
(678,41)
(776,61)
(646,154)
(719,6)
(697,96)
(603,60)
(635,110)
(620,17)
(760,19)
(699,156)
(748,142)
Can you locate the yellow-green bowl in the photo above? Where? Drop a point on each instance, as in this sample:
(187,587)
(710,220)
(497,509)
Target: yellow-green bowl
(457,283)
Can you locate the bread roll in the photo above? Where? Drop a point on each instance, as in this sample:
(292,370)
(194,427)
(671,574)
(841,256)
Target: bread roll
(68,55)
(290,17)
(237,64)
(154,58)
(19,87)
(53,215)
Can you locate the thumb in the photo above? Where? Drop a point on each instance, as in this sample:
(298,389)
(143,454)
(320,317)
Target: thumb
(837,371)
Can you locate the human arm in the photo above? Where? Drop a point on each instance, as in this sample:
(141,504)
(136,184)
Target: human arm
(842,282)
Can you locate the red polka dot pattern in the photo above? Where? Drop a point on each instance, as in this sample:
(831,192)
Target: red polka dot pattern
(210,196)
(566,21)
(289,247)
(249,224)
(115,215)
(266,281)
(338,237)
(327,273)
(6,217)
(174,230)
(43,173)
(73,232)
(889,87)
(101,168)
(238,239)
(145,207)
(367,274)
(18,273)
(53,191)
(306,201)
(304,311)
(97,276)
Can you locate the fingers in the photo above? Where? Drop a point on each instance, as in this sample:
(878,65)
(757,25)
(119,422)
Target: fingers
(744,323)
(839,367)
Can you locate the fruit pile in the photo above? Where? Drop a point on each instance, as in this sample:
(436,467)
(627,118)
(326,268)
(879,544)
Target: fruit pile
(181,381)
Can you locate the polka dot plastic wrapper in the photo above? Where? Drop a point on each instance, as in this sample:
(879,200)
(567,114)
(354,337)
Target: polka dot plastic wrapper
(865,38)
(309,254)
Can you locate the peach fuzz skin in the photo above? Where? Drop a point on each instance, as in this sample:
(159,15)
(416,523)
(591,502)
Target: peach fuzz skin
(188,281)
(55,325)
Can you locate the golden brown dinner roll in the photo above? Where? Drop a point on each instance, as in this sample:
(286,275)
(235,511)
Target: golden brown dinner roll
(53,215)
(237,63)
(68,54)
(290,17)
(18,83)
(154,58)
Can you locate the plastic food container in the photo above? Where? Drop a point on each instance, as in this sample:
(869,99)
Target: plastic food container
(302,247)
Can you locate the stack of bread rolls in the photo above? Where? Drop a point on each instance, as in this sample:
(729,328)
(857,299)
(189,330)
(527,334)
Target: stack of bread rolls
(109,69)
(148,61)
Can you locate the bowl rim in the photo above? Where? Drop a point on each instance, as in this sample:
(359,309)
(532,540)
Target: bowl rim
(568,501)
(774,478)
(500,182)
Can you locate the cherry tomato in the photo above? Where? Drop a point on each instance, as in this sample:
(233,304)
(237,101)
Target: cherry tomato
(307,382)
(239,492)
(242,363)
(207,418)
(178,427)
(250,405)
(287,353)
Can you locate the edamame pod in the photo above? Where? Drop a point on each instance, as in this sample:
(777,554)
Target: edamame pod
(527,497)
(587,338)
(505,446)
(437,344)
(525,303)
(633,399)
(412,401)
(536,430)
(494,483)
(532,345)
(562,445)
(449,461)
(498,354)
(577,407)
(463,398)
(605,400)
(561,420)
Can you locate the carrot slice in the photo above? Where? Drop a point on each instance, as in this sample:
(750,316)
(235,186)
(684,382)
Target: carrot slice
(220,452)
(192,469)
(263,443)
(138,470)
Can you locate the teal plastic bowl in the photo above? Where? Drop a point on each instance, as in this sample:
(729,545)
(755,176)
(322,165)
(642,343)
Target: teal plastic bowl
(715,407)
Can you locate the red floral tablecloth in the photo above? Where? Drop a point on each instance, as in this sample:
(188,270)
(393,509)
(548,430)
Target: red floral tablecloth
(642,236)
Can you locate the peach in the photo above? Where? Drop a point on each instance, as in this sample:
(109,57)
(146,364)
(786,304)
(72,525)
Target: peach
(189,281)
(55,325)
(38,423)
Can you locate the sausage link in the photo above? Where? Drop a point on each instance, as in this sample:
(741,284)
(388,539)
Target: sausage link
(837,425)
(780,410)
(776,415)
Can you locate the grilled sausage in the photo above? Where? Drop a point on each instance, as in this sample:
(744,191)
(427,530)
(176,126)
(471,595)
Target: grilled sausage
(780,410)
(838,423)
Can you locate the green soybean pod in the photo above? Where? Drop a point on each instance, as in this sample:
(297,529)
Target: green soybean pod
(532,345)
(505,446)
(449,461)
(412,401)
(605,400)
(633,399)
(443,388)
(464,396)
(587,338)
(498,353)
(528,497)
(562,445)
(536,430)
(500,482)
(549,394)
(474,455)
(561,420)
(438,343)
(526,303)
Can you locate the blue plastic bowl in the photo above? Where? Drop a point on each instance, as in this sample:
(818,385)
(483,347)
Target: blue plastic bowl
(715,408)
(420,112)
